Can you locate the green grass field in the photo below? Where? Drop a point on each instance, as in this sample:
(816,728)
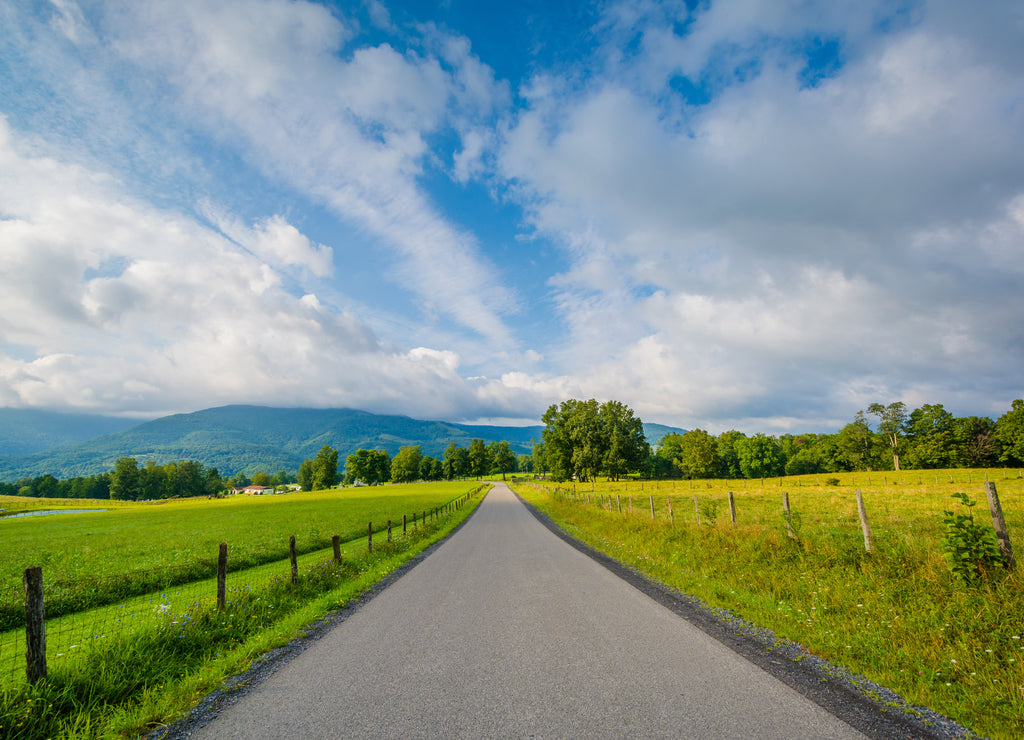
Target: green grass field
(135,548)
(897,616)
(121,669)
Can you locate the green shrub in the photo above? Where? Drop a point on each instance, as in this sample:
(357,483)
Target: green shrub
(970,548)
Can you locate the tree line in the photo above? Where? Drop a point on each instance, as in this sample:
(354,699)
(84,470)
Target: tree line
(478,459)
(882,437)
(582,440)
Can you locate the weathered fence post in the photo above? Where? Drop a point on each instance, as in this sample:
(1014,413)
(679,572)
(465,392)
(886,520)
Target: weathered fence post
(618,501)
(732,507)
(403,525)
(696,508)
(389,530)
(336,544)
(999,522)
(222,575)
(671,516)
(863,513)
(789,515)
(35,625)
(369,537)
(295,560)
(652,508)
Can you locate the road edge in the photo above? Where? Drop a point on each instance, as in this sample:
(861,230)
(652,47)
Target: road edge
(874,710)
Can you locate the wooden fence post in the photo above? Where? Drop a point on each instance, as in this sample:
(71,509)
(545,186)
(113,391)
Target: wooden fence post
(863,513)
(295,560)
(618,501)
(789,516)
(652,508)
(696,508)
(999,522)
(389,530)
(336,544)
(671,516)
(35,625)
(403,525)
(369,537)
(222,575)
(732,507)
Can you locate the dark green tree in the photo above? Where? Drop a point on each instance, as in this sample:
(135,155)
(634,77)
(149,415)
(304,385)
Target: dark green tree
(405,467)
(479,458)
(503,460)
(728,455)
(325,468)
(1010,433)
(124,481)
(760,457)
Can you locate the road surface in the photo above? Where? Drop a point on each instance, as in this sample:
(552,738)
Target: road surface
(507,631)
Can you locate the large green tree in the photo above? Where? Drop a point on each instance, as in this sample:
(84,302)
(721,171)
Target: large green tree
(892,425)
(930,437)
(728,454)
(124,481)
(503,460)
(584,438)
(368,466)
(479,458)
(325,468)
(405,466)
(760,457)
(1010,433)
(697,455)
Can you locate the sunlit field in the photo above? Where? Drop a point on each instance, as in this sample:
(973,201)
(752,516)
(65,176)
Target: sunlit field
(133,548)
(143,658)
(897,616)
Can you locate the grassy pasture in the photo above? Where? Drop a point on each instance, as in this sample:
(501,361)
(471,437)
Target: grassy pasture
(122,669)
(897,616)
(134,548)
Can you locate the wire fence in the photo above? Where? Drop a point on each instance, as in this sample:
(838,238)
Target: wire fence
(669,502)
(71,638)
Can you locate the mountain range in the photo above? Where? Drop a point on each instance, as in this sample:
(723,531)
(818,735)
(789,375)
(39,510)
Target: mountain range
(232,439)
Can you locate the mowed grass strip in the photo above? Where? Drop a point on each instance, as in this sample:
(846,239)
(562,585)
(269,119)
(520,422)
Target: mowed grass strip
(177,650)
(94,559)
(897,616)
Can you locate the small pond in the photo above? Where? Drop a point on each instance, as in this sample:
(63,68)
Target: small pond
(50,511)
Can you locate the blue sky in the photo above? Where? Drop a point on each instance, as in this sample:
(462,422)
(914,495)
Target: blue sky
(751,215)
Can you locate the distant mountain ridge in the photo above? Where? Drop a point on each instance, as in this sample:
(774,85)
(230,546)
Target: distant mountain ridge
(249,438)
(28,431)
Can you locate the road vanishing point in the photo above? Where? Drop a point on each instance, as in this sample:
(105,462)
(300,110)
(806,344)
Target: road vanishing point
(508,631)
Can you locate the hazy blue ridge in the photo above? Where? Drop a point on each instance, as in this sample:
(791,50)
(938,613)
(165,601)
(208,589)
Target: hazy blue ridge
(28,431)
(251,438)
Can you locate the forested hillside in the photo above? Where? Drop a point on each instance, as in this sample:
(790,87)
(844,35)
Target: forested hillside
(249,438)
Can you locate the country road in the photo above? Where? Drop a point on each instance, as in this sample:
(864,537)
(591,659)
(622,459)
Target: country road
(507,631)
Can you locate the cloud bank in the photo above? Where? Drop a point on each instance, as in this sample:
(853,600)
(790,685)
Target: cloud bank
(753,215)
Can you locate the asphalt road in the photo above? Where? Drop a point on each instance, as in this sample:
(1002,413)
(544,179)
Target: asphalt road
(507,631)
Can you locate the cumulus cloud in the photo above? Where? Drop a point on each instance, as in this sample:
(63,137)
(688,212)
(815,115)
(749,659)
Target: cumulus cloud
(781,240)
(351,132)
(124,307)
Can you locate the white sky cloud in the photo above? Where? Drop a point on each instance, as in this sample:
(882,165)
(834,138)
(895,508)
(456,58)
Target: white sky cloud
(750,214)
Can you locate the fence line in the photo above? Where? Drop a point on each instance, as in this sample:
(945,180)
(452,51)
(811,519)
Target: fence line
(24,650)
(995,509)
